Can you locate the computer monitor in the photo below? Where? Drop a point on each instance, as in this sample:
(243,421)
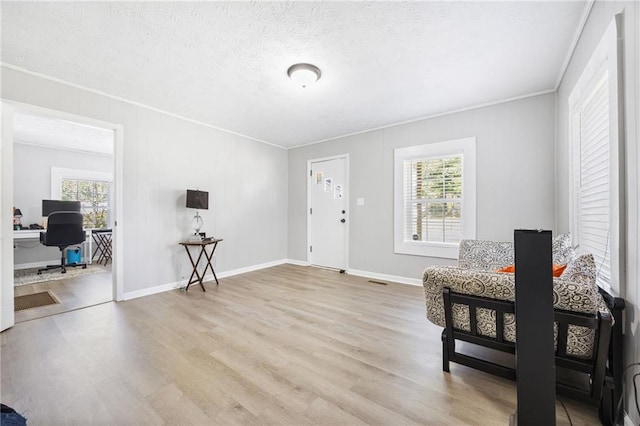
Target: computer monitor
(50,206)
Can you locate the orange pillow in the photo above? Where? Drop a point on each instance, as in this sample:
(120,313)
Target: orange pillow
(510,268)
(557,269)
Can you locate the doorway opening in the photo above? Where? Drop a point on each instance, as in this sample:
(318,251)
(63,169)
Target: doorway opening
(63,157)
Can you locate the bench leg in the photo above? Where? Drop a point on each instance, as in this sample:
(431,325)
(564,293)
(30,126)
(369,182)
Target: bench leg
(607,410)
(445,352)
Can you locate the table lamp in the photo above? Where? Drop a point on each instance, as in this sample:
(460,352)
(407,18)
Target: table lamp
(17,214)
(198,200)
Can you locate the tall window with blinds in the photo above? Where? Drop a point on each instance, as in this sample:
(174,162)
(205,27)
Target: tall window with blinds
(434,197)
(597,167)
(592,184)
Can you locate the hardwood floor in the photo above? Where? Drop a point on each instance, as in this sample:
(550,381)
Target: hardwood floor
(285,345)
(72,293)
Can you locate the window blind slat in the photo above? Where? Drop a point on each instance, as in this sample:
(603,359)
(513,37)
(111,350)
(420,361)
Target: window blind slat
(593,193)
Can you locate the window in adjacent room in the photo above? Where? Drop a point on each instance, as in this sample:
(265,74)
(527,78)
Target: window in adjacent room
(596,215)
(434,197)
(92,189)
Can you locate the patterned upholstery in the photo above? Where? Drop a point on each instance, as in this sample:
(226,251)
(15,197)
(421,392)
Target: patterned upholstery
(562,249)
(581,269)
(475,276)
(492,255)
(485,255)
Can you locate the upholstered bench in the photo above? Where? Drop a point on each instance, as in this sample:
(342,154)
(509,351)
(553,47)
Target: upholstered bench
(474,303)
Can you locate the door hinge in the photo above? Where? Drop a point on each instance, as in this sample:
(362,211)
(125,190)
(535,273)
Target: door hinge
(310,210)
(310,173)
(310,249)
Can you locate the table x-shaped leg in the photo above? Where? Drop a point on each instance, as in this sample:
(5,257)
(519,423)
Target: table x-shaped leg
(208,257)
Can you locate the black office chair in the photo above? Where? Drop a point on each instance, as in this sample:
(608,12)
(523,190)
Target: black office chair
(64,229)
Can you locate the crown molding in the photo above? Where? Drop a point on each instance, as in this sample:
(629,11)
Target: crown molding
(136,103)
(574,43)
(428,117)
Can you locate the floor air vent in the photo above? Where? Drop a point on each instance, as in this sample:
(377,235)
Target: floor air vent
(377,282)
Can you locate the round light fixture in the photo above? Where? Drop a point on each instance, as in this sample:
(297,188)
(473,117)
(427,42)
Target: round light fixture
(304,74)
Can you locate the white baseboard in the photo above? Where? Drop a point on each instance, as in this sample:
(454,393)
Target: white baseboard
(209,277)
(248,269)
(627,420)
(367,274)
(385,277)
(40,264)
(151,290)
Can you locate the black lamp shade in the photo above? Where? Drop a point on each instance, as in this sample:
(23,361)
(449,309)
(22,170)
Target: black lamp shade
(17,213)
(197,199)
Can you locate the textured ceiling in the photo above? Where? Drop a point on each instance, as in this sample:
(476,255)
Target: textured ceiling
(61,134)
(225,63)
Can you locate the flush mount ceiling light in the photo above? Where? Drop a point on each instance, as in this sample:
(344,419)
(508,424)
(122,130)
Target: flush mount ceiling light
(304,74)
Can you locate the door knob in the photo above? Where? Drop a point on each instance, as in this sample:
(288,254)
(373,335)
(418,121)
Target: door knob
(343,220)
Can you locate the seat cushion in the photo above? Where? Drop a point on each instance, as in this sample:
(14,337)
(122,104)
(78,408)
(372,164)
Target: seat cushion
(567,295)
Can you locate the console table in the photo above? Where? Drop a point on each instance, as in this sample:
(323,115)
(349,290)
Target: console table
(213,243)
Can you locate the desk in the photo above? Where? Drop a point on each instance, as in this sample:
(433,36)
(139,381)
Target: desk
(34,234)
(203,250)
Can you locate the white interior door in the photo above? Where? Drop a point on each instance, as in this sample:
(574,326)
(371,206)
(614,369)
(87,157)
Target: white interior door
(6,218)
(328,216)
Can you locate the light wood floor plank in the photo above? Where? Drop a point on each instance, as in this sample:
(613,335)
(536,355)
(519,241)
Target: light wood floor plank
(287,345)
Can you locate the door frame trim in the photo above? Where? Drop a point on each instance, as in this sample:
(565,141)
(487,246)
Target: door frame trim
(7,319)
(118,177)
(346,194)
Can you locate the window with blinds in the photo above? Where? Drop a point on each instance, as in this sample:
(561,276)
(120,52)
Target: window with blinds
(94,197)
(434,197)
(92,188)
(597,214)
(592,183)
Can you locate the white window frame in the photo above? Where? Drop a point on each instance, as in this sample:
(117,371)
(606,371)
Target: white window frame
(464,146)
(605,59)
(59,173)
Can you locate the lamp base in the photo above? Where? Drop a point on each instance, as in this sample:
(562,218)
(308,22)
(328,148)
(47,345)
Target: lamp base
(195,237)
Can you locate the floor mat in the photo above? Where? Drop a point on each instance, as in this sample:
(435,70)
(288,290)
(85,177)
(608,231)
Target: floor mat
(29,301)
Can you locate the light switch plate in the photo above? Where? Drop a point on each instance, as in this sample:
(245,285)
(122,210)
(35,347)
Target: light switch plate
(359,201)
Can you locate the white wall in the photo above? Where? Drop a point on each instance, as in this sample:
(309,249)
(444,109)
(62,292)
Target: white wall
(164,156)
(599,19)
(515,179)
(32,183)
